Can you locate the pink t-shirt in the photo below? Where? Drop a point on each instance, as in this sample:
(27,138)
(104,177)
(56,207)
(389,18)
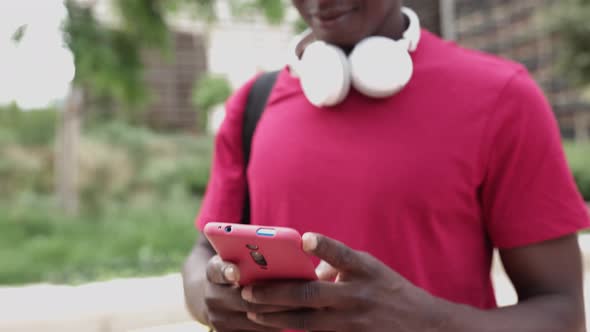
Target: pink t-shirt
(466,158)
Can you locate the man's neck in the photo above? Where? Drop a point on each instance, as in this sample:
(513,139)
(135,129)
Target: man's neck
(394,25)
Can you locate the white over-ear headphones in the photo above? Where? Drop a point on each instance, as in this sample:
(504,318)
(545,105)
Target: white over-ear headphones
(377,67)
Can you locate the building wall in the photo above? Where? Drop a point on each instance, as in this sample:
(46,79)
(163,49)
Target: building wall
(428,11)
(170,82)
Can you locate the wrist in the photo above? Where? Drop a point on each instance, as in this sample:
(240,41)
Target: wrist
(453,317)
(443,315)
(440,315)
(433,314)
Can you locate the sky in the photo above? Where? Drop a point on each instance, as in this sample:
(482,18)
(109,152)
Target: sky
(37,71)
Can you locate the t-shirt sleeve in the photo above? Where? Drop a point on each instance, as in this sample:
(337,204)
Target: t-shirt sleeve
(225,193)
(528,194)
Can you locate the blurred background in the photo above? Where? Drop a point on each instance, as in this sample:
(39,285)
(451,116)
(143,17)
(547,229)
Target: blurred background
(107,113)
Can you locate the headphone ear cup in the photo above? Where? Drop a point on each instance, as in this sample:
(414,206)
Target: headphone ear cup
(324,74)
(380,67)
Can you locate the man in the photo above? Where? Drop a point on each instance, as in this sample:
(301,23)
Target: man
(407,196)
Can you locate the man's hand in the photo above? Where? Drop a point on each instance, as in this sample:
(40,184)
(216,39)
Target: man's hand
(226,310)
(212,295)
(367,295)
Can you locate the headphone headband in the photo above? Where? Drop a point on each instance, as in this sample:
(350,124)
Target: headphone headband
(412,33)
(410,37)
(377,67)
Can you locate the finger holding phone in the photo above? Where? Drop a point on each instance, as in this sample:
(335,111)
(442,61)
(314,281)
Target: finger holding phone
(225,308)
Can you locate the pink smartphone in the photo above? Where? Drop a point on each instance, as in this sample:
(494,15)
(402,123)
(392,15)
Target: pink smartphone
(260,252)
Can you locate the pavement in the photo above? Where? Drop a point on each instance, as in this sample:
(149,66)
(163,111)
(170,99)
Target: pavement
(142,304)
(116,305)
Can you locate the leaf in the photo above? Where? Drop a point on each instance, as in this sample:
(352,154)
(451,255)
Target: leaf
(274,10)
(209,91)
(19,33)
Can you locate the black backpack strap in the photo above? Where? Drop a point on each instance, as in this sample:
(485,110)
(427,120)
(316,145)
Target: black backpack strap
(255,105)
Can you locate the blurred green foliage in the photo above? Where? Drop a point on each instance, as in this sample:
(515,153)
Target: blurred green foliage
(108,58)
(144,21)
(579,161)
(39,244)
(117,161)
(300,25)
(569,18)
(140,192)
(210,90)
(273,10)
(31,128)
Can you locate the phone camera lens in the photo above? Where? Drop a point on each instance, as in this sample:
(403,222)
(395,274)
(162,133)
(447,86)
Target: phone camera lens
(227,229)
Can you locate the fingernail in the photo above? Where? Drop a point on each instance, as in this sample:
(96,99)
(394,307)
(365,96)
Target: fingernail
(251,316)
(322,267)
(310,242)
(247,293)
(230,273)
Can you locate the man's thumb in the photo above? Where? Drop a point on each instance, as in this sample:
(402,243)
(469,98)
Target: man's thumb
(335,253)
(222,273)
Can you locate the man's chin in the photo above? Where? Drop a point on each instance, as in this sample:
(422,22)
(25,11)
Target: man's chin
(341,40)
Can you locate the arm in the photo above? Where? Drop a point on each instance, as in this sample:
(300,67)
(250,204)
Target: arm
(210,293)
(193,277)
(548,280)
(530,203)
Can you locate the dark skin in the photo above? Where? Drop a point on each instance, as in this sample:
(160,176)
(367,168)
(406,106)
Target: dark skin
(344,23)
(211,295)
(369,296)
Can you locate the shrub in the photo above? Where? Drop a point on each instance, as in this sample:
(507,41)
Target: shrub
(42,245)
(25,168)
(578,155)
(116,162)
(34,127)
(210,90)
(138,198)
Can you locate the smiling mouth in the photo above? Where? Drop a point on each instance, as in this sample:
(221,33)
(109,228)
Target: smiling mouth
(330,17)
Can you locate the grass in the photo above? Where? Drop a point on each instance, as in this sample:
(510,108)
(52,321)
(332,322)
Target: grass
(38,244)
